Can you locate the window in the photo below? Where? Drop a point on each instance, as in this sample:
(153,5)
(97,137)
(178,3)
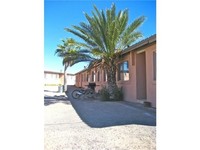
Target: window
(104,75)
(87,77)
(98,76)
(48,76)
(53,76)
(154,65)
(77,80)
(93,76)
(123,71)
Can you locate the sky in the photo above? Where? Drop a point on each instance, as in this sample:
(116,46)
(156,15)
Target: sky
(59,14)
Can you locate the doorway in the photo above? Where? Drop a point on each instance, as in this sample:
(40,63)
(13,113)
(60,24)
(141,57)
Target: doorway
(141,76)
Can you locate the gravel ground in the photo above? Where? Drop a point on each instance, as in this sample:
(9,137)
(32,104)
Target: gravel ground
(66,130)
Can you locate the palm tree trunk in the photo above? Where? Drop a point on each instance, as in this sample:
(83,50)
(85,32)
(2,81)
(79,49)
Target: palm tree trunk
(111,76)
(65,78)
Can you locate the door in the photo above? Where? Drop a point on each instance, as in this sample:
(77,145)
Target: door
(141,76)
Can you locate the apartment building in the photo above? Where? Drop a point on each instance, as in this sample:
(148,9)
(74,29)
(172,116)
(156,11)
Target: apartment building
(136,73)
(52,80)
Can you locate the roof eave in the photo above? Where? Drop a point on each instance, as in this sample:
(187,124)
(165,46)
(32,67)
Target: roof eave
(144,42)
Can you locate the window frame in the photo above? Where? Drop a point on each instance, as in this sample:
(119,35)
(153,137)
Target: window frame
(123,70)
(93,76)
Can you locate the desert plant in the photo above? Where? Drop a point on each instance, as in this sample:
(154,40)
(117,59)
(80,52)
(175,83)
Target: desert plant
(105,34)
(71,54)
(104,94)
(118,94)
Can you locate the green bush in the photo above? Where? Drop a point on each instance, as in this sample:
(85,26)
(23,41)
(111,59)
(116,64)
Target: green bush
(104,94)
(117,93)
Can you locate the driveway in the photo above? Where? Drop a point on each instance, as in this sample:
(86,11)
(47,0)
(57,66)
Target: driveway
(93,124)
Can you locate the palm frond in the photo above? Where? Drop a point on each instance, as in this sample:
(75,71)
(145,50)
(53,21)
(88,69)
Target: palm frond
(105,35)
(131,28)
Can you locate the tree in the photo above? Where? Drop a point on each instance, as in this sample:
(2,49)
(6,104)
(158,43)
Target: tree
(105,36)
(71,54)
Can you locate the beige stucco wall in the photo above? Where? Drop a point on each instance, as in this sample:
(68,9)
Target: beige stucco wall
(82,81)
(129,87)
(151,83)
(52,81)
(70,79)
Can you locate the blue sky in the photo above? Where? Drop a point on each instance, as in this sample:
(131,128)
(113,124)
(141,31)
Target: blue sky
(59,14)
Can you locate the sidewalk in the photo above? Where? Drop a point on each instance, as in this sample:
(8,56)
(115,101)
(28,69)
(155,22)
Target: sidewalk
(52,93)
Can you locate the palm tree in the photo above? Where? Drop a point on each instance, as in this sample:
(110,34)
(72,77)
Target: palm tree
(105,36)
(71,54)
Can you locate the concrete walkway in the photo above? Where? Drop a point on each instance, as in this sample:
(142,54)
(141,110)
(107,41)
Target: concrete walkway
(89,125)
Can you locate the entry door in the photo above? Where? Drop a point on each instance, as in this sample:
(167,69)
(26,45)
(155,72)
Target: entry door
(141,76)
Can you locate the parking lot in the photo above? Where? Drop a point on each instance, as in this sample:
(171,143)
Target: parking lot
(94,124)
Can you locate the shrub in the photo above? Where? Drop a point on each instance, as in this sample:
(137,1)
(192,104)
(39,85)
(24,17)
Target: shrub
(104,94)
(118,94)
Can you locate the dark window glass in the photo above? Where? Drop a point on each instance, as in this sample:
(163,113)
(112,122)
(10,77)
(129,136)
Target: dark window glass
(123,71)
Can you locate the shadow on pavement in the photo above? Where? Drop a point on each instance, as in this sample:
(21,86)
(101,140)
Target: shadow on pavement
(99,114)
(48,100)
